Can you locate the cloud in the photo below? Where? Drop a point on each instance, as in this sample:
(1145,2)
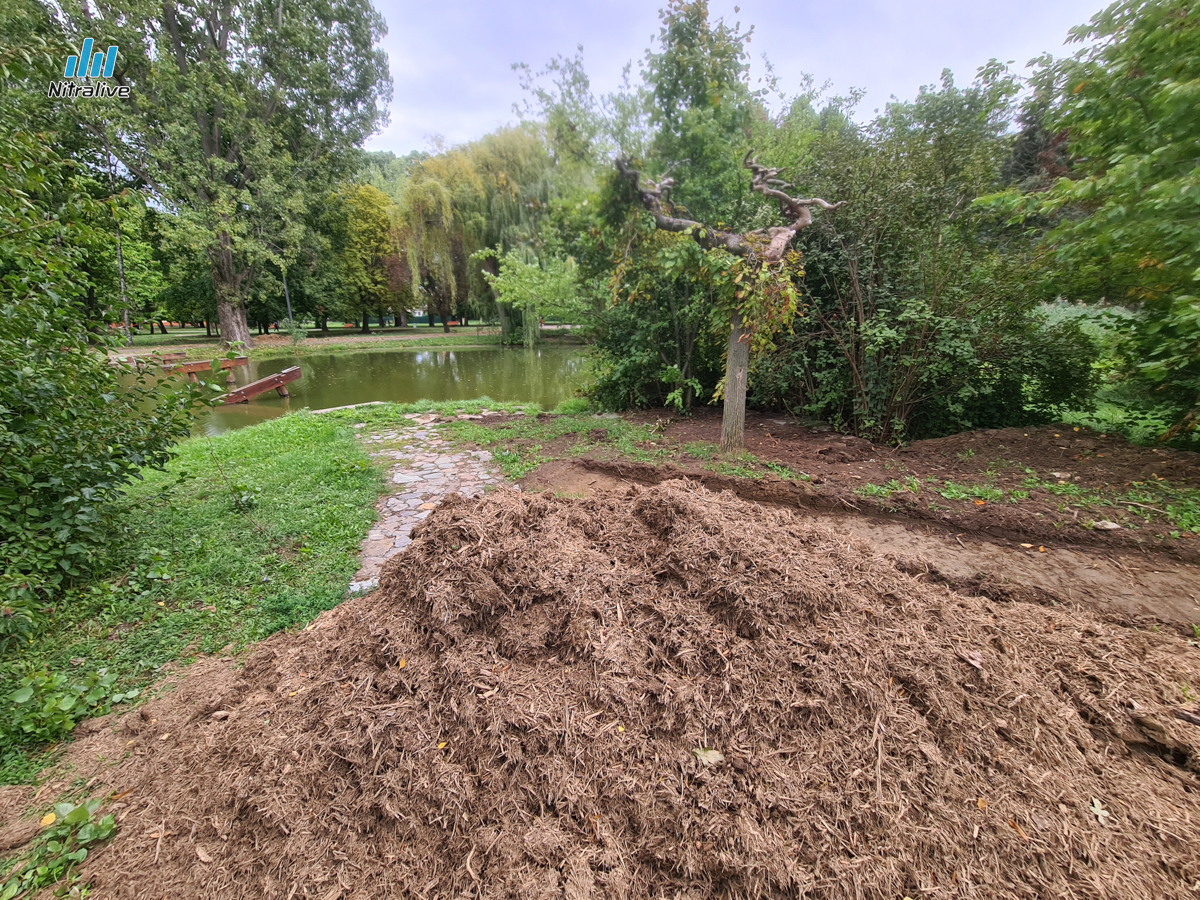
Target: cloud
(452,61)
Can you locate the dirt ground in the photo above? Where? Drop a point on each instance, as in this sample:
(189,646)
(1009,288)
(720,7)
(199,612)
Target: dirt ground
(1035,549)
(658,692)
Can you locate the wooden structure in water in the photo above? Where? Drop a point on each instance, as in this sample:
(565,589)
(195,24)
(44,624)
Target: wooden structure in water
(140,362)
(275,382)
(191,368)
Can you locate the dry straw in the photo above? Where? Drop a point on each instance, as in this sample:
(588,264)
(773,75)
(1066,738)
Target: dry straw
(671,693)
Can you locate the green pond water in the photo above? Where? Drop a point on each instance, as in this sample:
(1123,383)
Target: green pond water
(544,376)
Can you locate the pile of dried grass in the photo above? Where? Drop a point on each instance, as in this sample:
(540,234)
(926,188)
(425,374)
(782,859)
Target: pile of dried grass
(668,693)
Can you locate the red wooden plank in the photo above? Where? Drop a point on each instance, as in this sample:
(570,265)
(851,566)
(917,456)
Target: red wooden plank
(271,382)
(203,365)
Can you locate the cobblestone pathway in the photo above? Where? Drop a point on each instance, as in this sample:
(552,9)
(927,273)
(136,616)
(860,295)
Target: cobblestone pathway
(425,468)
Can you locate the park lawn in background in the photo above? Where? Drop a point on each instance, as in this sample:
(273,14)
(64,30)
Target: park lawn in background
(203,575)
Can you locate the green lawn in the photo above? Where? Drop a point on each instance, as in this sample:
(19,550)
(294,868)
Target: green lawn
(242,535)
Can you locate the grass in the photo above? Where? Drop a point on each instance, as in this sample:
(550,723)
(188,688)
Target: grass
(1148,502)
(518,445)
(198,574)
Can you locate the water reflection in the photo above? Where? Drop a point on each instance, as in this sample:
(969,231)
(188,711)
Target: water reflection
(544,376)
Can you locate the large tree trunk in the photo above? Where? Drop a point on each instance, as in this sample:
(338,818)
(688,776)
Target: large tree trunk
(366,328)
(162,326)
(207,328)
(232,322)
(737,365)
(502,314)
(227,284)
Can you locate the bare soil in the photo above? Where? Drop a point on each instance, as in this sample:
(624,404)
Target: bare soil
(660,692)
(1035,549)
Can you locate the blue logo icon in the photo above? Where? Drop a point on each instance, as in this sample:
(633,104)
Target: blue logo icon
(91,65)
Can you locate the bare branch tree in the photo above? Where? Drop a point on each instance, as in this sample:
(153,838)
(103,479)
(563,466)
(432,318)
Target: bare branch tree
(767,246)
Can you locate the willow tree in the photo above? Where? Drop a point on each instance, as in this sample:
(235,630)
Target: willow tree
(436,235)
(757,273)
(516,183)
(486,194)
(236,109)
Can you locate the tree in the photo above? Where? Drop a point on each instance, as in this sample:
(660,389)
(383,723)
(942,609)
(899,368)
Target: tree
(760,290)
(1128,214)
(534,289)
(368,245)
(235,108)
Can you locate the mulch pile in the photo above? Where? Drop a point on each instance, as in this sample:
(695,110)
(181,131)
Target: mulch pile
(663,693)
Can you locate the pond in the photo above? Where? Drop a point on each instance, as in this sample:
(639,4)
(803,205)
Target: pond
(544,376)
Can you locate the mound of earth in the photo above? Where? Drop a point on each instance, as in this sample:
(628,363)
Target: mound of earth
(662,693)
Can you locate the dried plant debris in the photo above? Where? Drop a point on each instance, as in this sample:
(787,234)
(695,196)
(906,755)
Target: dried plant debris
(664,693)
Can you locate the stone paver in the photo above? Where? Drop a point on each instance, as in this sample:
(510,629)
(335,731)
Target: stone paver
(425,468)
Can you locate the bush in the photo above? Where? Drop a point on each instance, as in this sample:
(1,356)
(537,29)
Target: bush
(74,429)
(963,377)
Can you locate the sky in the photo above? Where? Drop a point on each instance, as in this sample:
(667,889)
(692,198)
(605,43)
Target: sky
(451,60)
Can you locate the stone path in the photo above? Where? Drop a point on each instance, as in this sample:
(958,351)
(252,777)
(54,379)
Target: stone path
(426,467)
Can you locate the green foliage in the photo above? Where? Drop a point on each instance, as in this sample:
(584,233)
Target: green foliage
(1124,226)
(366,245)
(59,850)
(74,428)
(241,111)
(197,573)
(46,706)
(573,407)
(919,318)
(536,289)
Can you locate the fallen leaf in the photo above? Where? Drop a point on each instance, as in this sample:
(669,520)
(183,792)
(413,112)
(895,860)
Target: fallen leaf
(1017,829)
(1099,811)
(221,714)
(620,728)
(203,854)
(981,803)
(979,502)
(1106,525)
(1027,546)
(402,664)
(971,657)
(292,693)
(122,795)
(442,745)
(48,819)
(708,757)
(1041,549)
(163,737)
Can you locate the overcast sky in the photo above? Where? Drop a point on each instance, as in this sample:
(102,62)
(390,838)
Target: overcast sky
(451,59)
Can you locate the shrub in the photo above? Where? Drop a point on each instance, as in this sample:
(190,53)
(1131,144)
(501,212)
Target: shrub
(74,429)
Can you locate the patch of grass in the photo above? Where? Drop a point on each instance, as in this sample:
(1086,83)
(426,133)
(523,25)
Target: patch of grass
(737,470)
(952,491)
(326,346)
(910,484)
(785,472)
(573,406)
(700,449)
(201,573)
(518,444)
